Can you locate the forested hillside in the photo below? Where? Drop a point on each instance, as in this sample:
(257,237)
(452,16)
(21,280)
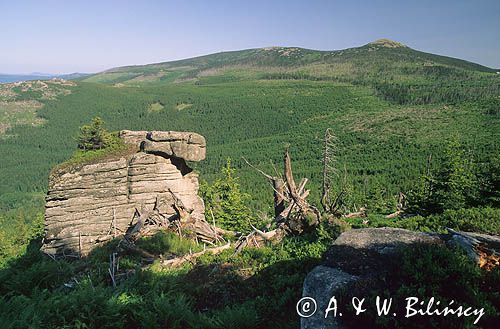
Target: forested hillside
(390,107)
(398,115)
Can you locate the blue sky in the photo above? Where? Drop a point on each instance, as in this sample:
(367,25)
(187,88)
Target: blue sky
(90,36)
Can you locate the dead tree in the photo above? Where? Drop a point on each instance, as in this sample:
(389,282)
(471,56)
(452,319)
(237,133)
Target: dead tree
(308,215)
(293,214)
(329,167)
(331,201)
(279,189)
(400,207)
(483,249)
(198,228)
(182,223)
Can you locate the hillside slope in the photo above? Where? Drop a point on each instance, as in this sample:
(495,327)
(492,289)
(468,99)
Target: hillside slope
(317,64)
(389,105)
(398,115)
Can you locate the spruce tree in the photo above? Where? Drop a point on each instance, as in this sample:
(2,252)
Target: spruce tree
(93,136)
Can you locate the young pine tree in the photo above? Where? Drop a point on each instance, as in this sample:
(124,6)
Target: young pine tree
(456,184)
(453,186)
(227,202)
(93,136)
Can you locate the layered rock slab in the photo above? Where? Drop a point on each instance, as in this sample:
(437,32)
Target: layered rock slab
(185,145)
(92,203)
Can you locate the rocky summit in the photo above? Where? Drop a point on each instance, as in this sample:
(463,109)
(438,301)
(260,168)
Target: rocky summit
(93,203)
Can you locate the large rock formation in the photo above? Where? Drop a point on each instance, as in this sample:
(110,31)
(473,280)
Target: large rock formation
(357,257)
(92,203)
(362,259)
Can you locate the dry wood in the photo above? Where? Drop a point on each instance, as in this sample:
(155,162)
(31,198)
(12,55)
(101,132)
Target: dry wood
(248,241)
(265,235)
(394,214)
(481,248)
(302,186)
(400,206)
(112,268)
(182,212)
(279,195)
(136,229)
(330,202)
(114,222)
(278,186)
(357,214)
(292,211)
(304,207)
(291,182)
(80,247)
(175,262)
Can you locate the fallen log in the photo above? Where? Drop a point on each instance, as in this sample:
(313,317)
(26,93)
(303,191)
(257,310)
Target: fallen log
(394,214)
(357,214)
(175,262)
(266,235)
(258,238)
(483,249)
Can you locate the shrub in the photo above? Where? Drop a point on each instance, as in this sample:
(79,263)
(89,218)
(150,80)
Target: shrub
(489,178)
(17,229)
(486,220)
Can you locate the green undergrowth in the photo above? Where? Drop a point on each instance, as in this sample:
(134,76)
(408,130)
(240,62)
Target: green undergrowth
(482,220)
(115,149)
(256,288)
(425,272)
(168,241)
(18,228)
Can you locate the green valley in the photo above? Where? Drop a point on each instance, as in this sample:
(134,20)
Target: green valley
(394,110)
(390,107)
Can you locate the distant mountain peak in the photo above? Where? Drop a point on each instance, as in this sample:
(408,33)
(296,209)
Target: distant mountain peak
(387,43)
(380,54)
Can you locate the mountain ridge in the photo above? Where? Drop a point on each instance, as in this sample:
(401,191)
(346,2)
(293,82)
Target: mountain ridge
(381,54)
(384,43)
